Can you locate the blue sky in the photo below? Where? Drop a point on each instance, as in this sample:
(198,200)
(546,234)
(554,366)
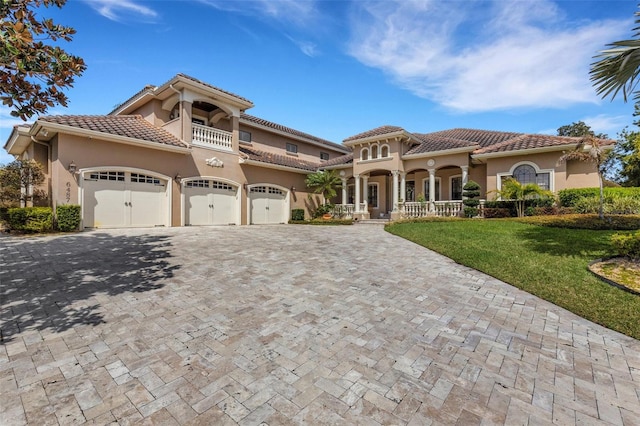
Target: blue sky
(337,68)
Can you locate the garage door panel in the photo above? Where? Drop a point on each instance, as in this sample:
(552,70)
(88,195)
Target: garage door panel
(210,202)
(267,205)
(104,203)
(147,204)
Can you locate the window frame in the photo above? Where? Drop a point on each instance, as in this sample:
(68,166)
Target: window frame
(438,186)
(241,132)
(369,193)
(451,178)
(293,151)
(503,175)
(323,155)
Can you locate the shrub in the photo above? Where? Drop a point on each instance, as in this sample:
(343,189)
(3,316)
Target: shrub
(569,197)
(297,214)
(323,209)
(612,205)
(548,211)
(31,219)
(627,245)
(586,221)
(496,212)
(68,217)
(470,211)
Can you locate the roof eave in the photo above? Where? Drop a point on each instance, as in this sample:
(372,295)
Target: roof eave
(440,152)
(251,162)
(241,104)
(112,138)
(336,166)
(17,133)
(132,104)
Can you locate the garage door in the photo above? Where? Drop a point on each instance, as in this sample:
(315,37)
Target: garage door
(210,202)
(116,199)
(267,205)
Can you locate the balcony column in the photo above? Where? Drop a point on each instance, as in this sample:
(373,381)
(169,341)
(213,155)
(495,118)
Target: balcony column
(465,174)
(403,186)
(185,117)
(235,133)
(432,189)
(394,177)
(344,191)
(356,207)
(365,192)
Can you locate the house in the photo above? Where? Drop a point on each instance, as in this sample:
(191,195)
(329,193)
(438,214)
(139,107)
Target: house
(389,168)
(182,153)
(187,153)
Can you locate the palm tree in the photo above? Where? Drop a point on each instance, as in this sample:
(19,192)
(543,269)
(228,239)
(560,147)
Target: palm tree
(324,182)
(590,150)
(514,190)
(618,67)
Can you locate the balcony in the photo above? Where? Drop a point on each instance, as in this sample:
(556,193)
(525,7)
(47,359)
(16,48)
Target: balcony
(209,137)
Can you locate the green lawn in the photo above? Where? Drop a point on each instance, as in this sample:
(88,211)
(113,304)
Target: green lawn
(548,262)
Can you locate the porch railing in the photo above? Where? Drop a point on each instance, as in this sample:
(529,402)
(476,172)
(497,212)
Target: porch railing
(343,211)
(440,208)
(214,138)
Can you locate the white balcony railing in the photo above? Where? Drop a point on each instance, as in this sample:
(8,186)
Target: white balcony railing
(210,137)
(439,208)
(343,211)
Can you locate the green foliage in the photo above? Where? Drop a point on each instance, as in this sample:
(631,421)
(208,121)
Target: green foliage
(548,262)
(586,221)
(20,174)
(33,74)
(627,245)
(626,154)
(324,182)
(470,194)
(496,212)
(514,190)
(470,211)
(612,205)
(579,128)
(68,217)
(30,219)
(618,66)
(569,197)
(328,222)
(322,210)
(297,214)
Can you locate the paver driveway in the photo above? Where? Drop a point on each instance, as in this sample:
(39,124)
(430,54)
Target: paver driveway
(290,325)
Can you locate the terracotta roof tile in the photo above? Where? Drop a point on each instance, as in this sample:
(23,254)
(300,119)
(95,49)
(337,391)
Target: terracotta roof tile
(481,137)
(378,131)
(277,159)
(528,141)
(132,126)
(262,122)
(210,86)
(146,89)
(433,143)
(343,159)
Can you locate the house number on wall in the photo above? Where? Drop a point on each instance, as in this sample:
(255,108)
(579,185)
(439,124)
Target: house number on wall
(68,192)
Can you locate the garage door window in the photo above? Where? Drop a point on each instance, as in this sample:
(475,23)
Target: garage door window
(135,177)
(198,184)
(222,185)
(116,176)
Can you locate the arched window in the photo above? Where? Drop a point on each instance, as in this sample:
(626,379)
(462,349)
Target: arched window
(526,173)
(384,153)
(364,154)
(374,152)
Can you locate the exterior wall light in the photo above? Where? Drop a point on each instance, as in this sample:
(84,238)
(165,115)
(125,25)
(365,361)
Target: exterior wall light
(72,167)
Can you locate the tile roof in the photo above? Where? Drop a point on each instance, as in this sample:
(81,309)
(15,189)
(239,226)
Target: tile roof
(277,159)
(132,126)
(481,137)
(343,159)
(146,89)
(528,141)
(432,142)
(378,131)
(210,86)
(259,121)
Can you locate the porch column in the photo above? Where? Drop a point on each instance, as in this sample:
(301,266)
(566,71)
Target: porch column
(365,192)
(403,186)
(185,118)
(356,207)
(344,191)
(235,133)
(432,189)
(465,175)
(394,176)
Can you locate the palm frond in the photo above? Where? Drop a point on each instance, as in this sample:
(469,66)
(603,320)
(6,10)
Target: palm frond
(618,68)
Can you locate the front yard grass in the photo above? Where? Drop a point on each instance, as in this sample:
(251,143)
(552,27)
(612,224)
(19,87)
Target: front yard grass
(551,263)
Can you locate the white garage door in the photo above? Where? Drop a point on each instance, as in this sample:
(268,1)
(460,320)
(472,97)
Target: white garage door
(116,199)
(210,202)
(267,205)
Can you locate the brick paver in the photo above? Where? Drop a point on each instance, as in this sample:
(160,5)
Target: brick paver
(290,325)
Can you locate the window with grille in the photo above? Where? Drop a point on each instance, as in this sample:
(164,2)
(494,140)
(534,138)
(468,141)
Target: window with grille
(324,156)
(244,136)
(197,184)
(292,148)
(136,177)
(114,176)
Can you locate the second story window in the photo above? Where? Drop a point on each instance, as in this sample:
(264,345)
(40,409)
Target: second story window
(244,136)
(292,148)
(324,156)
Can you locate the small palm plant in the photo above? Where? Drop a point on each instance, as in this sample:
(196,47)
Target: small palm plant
(591,150)
(324,182)
(514,190)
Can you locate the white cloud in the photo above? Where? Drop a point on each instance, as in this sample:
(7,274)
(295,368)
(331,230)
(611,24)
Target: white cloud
(296,12)
(116,10)
(308,48)
(471,58)
(609,124)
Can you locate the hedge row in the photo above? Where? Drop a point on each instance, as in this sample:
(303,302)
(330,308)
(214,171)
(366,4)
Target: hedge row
(41,219)
(569,197)
(627,245)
